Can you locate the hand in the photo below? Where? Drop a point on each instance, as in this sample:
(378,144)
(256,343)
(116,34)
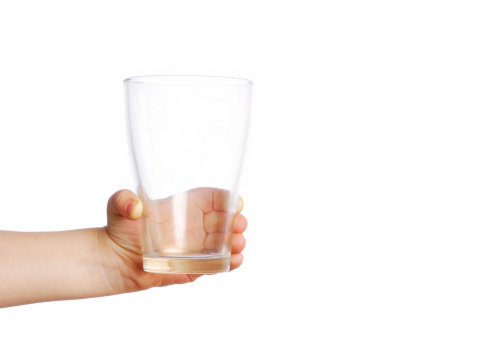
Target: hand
(120,241)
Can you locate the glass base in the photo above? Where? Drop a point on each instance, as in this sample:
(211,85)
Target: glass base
(186,265)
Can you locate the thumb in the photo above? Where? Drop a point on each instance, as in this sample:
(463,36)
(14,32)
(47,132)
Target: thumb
(123,213)
(124,205)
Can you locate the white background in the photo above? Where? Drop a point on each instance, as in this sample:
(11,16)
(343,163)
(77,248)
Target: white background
(369,182)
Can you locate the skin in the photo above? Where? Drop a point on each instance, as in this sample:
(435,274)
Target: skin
(93,262)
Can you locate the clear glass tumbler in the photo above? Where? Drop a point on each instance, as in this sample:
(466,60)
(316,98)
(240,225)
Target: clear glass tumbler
(187,138)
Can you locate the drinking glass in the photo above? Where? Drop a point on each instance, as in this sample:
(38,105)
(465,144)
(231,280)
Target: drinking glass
(187,137)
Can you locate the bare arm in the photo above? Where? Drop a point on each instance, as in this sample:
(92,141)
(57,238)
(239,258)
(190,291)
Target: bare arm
(49,266)
(77,264)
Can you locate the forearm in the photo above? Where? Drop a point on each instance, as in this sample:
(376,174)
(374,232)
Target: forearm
(48,266)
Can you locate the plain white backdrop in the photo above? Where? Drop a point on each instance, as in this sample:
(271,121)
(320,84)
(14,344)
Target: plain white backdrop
(369,184)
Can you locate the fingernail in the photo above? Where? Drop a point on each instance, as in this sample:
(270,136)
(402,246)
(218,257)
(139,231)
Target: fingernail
(240,205)
(134,209)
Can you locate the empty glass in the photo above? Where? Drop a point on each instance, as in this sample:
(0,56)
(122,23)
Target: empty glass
(187,138)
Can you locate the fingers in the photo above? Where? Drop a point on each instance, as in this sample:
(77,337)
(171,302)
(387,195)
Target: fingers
(220,199)
(240,223)
(124,203)
(236,261)
(215,241)
(238,240)
(238,243)
(210,199)
(213,199)
(214,222)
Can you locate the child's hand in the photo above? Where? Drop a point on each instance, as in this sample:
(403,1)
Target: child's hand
(92,262)
(120,245)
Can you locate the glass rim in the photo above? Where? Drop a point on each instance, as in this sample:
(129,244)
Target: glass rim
(186,80)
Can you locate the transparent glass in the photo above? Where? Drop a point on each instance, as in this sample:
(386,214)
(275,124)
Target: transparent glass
(187,137)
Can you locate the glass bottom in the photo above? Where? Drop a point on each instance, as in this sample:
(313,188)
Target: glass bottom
(186,265)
